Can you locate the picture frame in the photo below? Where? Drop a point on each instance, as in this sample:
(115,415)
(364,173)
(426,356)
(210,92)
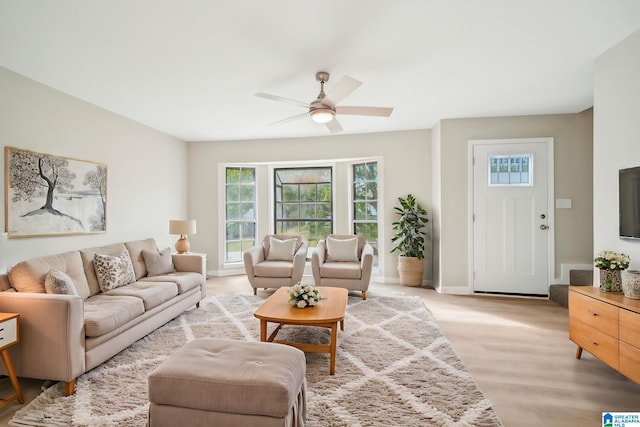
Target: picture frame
(52,195)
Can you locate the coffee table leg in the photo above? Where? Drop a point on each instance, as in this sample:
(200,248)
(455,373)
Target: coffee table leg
(334,345)
(263,330)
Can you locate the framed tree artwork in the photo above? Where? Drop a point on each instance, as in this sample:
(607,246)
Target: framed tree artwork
(49,195)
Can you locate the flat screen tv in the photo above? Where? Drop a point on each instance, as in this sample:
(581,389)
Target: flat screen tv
(629,192)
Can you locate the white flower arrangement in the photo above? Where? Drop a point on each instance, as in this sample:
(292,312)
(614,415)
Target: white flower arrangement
(304,295)
(609,260)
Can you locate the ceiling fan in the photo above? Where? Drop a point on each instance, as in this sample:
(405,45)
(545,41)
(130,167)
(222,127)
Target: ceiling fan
(324,108)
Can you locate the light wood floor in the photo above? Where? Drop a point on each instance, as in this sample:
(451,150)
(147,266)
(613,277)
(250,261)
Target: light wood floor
(517,349)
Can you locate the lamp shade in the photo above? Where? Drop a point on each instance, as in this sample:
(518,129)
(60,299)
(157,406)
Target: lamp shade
(182,227)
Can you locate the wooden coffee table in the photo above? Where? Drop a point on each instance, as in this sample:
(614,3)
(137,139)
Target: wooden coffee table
(326,314)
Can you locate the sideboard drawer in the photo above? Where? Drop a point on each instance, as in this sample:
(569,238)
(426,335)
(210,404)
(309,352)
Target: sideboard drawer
(596,342)
(8,332)
(598,314)
(630,362)
(630,327)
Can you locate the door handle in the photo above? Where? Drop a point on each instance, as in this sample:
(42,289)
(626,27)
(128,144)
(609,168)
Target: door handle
(543,227)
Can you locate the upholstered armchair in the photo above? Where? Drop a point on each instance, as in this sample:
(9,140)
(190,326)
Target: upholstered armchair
(344,262)
(278,261)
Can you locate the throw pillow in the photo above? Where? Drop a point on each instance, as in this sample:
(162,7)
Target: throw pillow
(281,250)
(57,282)
(158,263)
(342,250)
(113,270)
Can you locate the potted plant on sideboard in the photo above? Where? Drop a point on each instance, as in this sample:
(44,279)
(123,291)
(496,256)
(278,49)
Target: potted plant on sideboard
(409,240)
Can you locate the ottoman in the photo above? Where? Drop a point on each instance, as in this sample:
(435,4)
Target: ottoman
(221,382)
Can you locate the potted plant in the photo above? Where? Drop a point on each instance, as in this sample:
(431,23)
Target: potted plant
(409,240)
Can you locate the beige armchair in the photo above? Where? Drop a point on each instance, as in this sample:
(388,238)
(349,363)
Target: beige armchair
(278,261)
(344,262)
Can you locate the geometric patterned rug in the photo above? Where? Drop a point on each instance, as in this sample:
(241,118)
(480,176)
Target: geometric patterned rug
(394,367)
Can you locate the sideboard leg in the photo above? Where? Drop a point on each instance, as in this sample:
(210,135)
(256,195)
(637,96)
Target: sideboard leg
(578,352)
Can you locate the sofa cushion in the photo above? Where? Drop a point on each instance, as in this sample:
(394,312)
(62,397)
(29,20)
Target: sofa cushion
(104,313)
(87,263)
(158,263)
(185,280)
(152,294)
(135,248)
(29,276)
(273,269)
(281,250)
(113,271)
(342,250)
(57,282)
(341,270)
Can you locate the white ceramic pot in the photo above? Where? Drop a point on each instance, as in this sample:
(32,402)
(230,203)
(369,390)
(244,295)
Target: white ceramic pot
(631,284)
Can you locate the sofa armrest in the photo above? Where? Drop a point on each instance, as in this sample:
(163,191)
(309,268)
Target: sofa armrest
(317,259)
(52,337)
(366,262)
(251,257)
(299,261)
(196,263)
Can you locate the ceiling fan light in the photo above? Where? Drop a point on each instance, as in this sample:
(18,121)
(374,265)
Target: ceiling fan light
(322,116)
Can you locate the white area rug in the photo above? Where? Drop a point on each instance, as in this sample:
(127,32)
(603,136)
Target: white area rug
(394,368)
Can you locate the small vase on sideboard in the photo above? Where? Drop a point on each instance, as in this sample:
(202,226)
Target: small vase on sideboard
(610,281)
(631,284)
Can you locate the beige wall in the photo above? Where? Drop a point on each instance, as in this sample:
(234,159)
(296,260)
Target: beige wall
(405,156)
(147,182)
(616,139)
(573,160)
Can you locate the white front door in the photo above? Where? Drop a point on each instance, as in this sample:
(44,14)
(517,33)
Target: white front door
(511,216)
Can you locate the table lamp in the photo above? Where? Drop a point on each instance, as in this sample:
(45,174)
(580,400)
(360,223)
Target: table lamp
(183,228)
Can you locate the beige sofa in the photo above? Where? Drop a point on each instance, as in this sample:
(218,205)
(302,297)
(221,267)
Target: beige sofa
(64,336)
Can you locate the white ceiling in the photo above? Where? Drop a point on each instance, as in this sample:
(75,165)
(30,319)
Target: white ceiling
(190,68)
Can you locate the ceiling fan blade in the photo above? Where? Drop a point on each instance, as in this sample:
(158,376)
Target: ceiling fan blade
(282,99)
(289,119)
(340,90)
(334,126)
(365,111)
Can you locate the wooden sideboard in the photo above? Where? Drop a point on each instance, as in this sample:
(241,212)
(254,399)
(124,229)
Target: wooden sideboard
(607,325)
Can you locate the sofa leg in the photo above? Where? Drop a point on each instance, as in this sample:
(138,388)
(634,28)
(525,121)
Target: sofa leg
(364,295)
(69,387)
(198,304)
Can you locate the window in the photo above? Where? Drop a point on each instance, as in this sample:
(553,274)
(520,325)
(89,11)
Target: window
(510,170)
(303,202)
(365,203)
(240,203)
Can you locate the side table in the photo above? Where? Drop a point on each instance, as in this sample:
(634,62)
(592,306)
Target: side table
(10,335)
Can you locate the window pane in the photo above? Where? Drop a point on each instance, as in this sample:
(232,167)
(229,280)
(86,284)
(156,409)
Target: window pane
(240,212)
(509,170)
(308,192)
(302,197)
(365,202)
(233,193)
(291,211)
(233,211)
(233,231)
(248,176)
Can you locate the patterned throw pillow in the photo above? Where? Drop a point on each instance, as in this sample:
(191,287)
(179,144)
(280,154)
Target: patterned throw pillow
(113,270)
(158,263)
(57,282)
